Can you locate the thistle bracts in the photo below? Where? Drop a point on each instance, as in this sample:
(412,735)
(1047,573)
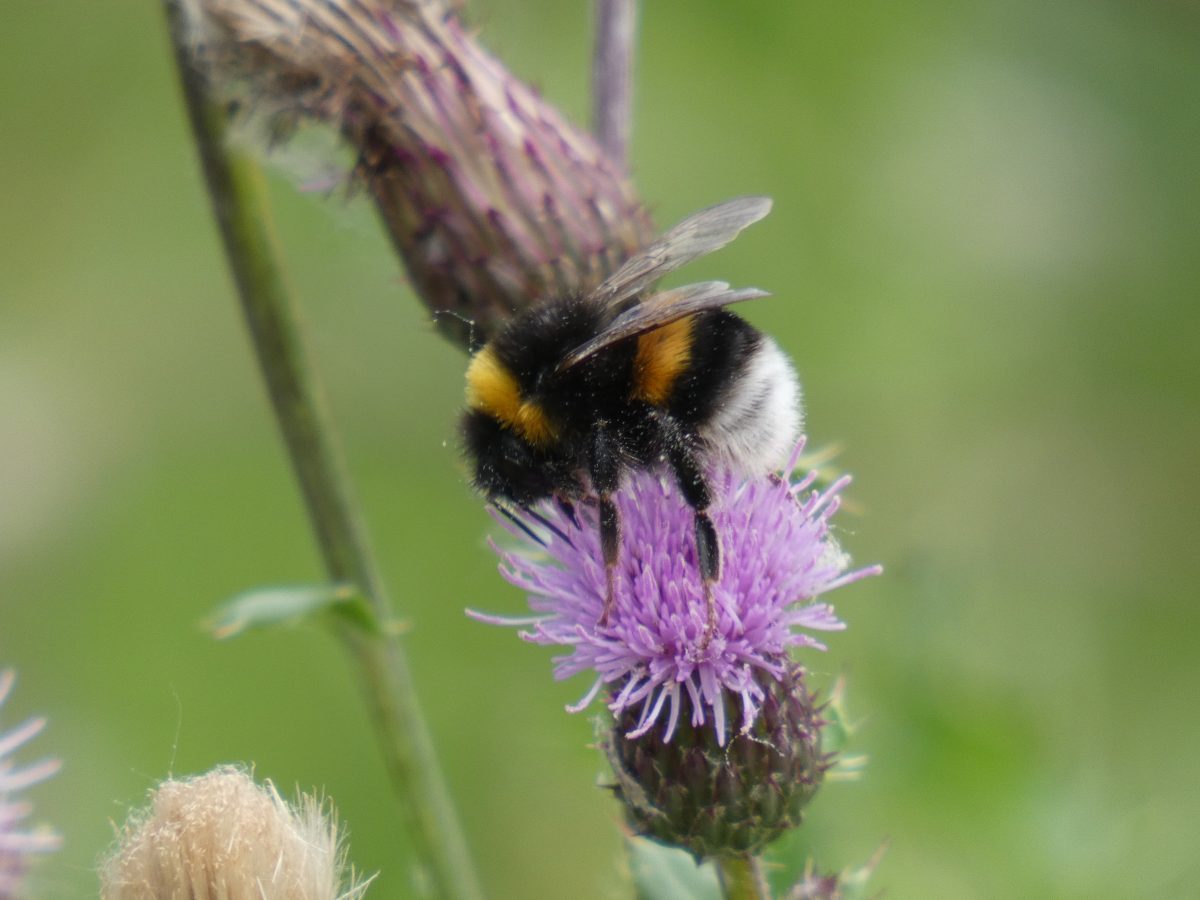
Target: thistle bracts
(491,197)
(731,800)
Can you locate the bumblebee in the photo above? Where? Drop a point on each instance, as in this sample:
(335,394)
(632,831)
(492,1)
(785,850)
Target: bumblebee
(575,391)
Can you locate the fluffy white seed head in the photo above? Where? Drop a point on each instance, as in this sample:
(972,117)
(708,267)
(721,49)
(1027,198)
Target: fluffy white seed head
(220,836)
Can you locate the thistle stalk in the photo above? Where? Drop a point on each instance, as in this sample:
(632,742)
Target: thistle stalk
(239,204)
(742,878)
(612,77)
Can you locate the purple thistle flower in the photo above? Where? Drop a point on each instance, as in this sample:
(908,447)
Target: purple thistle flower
(17,844)
(777,557)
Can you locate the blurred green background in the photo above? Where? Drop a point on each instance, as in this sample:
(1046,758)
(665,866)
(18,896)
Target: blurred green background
(985,258)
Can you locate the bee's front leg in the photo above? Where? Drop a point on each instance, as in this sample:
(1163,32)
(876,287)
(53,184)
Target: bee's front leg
(567,505)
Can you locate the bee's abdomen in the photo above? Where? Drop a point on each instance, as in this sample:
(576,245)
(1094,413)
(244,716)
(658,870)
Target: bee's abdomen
(719,348)
(740,395)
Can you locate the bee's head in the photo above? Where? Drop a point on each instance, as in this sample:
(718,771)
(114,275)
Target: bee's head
(514,446)
(505,464)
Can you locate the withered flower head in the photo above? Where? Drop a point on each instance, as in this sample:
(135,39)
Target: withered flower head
(491,197)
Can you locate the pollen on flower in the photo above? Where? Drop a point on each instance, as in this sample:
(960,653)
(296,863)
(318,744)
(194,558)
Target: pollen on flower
(778,558)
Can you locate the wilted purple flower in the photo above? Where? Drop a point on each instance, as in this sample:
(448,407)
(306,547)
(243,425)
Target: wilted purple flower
(777,558)
(492,198)
(17,843)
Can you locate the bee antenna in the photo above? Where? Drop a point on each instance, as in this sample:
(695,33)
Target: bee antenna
(518,521)
(547,524)
(472,344)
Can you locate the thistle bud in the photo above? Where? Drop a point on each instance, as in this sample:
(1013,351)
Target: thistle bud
(220,835)
(730,800)
(491,197)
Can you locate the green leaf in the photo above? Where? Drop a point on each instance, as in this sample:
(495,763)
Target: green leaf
(836,735)
(667,873)
(838,729)
(266,607)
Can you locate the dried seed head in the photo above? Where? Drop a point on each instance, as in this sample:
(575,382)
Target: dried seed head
(491,197)
(220,835)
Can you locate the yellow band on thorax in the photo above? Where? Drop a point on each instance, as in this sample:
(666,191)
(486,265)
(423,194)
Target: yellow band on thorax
(493,389)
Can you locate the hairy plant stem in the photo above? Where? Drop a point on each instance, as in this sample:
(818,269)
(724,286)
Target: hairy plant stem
(742,878)
(239,204)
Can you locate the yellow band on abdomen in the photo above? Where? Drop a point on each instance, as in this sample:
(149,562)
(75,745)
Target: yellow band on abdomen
(662,355)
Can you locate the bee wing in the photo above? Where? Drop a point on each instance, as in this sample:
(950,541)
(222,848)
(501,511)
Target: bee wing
(700,233)
(660,309)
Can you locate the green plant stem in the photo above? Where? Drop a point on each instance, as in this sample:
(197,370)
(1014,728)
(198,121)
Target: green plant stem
(239,203)
(742,878)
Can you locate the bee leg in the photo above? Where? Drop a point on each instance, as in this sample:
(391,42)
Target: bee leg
(708,547)
(605,472)
(708,552)
(569,509)
(610,543)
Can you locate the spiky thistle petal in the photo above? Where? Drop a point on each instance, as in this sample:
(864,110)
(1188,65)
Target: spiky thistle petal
(19,845)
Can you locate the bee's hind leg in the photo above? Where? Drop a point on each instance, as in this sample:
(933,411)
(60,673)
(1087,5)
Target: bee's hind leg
(610,545)
(694,487)
(708,553)
(605,472)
